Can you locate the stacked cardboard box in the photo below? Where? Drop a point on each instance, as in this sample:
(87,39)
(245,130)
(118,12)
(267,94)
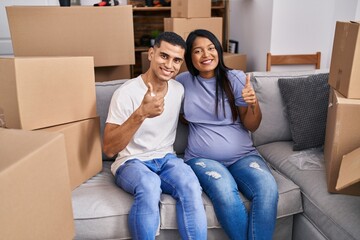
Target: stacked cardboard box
(55,94)
(187,15)
(35,200)
(106,33)
(342,142)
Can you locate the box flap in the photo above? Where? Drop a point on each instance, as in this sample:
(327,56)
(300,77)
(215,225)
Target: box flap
(349,173)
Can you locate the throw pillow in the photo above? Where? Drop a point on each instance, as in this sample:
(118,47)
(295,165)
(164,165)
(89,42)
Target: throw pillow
(274,125)
(306,101)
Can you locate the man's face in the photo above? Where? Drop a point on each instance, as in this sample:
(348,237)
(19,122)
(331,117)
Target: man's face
(166,60)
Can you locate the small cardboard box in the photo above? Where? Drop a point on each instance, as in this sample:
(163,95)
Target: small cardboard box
(183,26)
(345,61)
(342,135)
(106,33)
(349,174)
(83,149)
(235,61)
(103,74)
(38,92)
(191,9)
(35,200)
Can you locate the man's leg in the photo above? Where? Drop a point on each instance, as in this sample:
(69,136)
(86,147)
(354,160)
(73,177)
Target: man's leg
(178,180)
(137,179)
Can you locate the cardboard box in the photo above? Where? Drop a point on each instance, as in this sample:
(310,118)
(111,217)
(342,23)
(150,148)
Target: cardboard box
(83,149)
(349,174)
(191,9)
(345,61)
(103,74)
(232,60)
(35,200)
(235,61)
(183,26)
(342,135)
(46,91)
(106,33)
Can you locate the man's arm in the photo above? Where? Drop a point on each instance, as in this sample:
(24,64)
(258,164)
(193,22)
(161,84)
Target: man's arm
(117,137)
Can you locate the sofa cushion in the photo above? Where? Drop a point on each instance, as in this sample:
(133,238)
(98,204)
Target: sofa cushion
(101,208)
(274,125)
(306,101)
(104,92)
(336,216)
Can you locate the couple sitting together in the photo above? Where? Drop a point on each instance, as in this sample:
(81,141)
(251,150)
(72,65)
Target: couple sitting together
(220,107)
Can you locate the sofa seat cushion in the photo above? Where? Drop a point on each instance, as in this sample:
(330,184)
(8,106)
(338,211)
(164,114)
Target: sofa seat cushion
(101,208)
(337,216)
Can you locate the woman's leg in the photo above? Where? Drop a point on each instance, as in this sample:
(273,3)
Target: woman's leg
(256,182)
(178,180)
(137,179)
(221,188)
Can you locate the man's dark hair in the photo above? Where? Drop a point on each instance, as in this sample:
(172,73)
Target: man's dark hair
(171,38)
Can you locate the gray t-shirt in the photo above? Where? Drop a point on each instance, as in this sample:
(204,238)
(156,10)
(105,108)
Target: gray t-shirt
(211,136)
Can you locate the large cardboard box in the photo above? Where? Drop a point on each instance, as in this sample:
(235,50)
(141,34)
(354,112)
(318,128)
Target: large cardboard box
(349,174)
(83,149)
(183,26)
(35,200)
(40,92)
(232,60)
(190,8)
(345,61)
(342,136)
(106,33)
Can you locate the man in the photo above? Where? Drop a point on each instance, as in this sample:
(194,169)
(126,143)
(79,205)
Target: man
(141,128)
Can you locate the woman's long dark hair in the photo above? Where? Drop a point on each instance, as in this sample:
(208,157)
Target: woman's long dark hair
(222,81)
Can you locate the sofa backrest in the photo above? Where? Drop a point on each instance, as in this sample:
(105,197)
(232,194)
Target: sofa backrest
(274,125)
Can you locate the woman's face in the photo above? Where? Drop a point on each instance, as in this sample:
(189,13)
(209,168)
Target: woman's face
(204,57)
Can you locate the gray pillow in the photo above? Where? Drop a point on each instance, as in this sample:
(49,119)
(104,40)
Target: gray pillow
(306,101)
(274,125)
(104,92)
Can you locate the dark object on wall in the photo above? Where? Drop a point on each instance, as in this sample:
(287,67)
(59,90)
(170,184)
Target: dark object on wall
(149,3)
(145,40)
(64,3)
(233,46)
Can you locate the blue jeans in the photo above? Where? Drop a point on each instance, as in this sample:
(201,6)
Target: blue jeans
(146,180)
(249,175)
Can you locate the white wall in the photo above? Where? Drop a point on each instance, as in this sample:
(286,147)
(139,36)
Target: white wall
(5,39)
(287,27)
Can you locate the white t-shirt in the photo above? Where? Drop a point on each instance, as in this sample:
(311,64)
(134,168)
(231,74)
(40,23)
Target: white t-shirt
(156,136)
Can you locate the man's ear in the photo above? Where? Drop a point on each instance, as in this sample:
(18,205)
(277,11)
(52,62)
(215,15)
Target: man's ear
(151,53)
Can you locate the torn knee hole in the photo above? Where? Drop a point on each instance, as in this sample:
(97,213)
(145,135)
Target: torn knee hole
(213,174)
(201,164)
(255,165)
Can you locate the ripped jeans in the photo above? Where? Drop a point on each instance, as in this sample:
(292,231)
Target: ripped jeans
(251,176)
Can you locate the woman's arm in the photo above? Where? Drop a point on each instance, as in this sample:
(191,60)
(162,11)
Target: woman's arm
(251,115)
